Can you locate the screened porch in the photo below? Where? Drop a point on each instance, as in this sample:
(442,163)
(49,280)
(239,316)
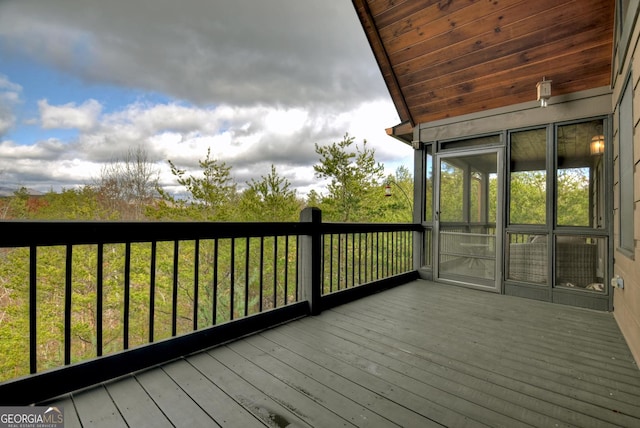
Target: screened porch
(522,212)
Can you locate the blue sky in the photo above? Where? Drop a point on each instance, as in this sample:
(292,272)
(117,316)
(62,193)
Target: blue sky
(258,83)
(39,81)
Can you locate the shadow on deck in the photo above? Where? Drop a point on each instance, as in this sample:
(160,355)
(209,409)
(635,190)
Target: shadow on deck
(421,354)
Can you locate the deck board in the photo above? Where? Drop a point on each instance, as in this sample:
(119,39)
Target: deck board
(252,399)
(71,415)
(375,402)
(422,354)
(179,407)
(225,410)
(497,377)
(454,398)
(465,385)
(330,399)
(135,404)
(96,409)
(489,361)
(298,403)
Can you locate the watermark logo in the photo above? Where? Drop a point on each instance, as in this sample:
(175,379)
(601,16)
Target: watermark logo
(31,417)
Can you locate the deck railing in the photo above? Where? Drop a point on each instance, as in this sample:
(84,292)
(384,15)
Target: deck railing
(101,299)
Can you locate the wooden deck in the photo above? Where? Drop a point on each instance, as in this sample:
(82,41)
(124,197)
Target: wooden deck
(422,354)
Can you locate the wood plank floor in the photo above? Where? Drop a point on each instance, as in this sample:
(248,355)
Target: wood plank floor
(419,355)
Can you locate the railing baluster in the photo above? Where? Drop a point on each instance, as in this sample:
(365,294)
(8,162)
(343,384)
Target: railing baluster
(246,278)
(359,258)
(346,250)
(393,265)
(369,274)
(275,271)
(378,255)
(345,259)
(286,269)
(339,260)
(353,259)
(382,253)
(364,263)
(390,254)
(394,256)
(261,270)
(388,248)
(297,266)
(407,243)
(127,294)
(370,255)
(232,278)
(196,281)
(67,304)
(385,255)
(215,282)
(323,265)
(152,290)
(174,294)
(331,263)
(33,310)
(401,254)
(99,297)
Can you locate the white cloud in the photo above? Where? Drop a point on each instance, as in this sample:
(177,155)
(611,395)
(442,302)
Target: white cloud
(6,120)
(45,150)
(69,116)
(9,97)
(249,139)
(286,122)
(285,52)
(258,83)
(8,87)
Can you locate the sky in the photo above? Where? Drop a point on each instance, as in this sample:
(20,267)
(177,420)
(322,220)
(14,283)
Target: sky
(259,83)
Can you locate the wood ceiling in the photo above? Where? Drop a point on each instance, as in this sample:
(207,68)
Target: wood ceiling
(448,58)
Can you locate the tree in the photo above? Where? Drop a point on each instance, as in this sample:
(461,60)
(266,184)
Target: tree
(270,199)
(314,199)
(129,185)
(73,204)
(210,195)
(573,197)
(528,197)
(17,206)
(352,175)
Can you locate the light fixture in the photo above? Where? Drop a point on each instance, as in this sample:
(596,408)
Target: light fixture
(597,145)
(387,190)
(544,91)
(416,144)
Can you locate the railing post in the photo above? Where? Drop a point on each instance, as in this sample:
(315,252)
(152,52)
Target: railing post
(311,260)
(419,197)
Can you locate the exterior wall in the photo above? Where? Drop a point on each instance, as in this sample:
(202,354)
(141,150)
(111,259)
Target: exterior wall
(579,105)
(626,301)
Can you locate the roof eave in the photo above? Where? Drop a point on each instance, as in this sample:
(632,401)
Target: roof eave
(402,131)
(382,58)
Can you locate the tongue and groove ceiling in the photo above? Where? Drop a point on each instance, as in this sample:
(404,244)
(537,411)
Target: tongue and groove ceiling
(443,59)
